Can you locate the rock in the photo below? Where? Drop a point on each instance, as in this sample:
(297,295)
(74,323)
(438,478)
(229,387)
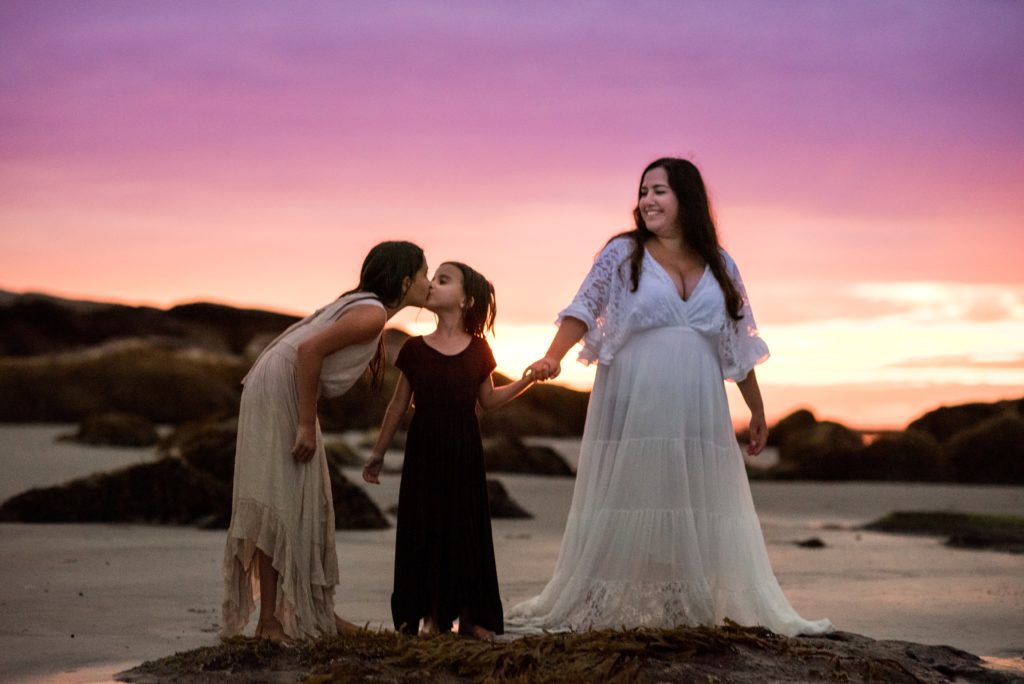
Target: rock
(508,454)
(502,505)
(168,491)
(728,653)
(811,543)
(191,485)
(164,385)
(907,456)
(353,508)
(116,429)
(342,455)
(801,419)
(210,447)
(990,452)
(945,421)
(544,410)
(966,530)
(824,451)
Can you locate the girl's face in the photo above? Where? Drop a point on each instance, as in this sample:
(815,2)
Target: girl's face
(446,291)
(659,205)
(419,288)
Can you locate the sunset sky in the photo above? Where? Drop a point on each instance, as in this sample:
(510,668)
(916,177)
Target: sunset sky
(865,161)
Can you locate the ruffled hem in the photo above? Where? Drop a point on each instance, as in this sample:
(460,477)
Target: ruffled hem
(616,604)
(305,588)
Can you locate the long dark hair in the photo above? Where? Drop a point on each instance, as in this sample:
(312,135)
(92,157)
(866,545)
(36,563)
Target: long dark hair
(478,317)
(698,227)
(383,275)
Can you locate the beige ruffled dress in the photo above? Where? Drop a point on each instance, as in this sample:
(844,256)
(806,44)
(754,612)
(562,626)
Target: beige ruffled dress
(279,505)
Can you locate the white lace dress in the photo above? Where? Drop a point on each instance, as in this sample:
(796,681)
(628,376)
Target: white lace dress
(279,505)
(662,529)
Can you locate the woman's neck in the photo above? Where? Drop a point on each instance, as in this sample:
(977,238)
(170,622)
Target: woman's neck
(675,243)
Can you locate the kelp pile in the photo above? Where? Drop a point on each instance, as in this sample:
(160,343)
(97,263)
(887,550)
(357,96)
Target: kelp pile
(724,654)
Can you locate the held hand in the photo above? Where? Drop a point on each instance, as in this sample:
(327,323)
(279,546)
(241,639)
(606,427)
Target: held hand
(305,444)
(371,471)
(758,434)
(545,369)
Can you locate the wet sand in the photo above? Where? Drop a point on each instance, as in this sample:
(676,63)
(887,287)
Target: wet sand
(82,602)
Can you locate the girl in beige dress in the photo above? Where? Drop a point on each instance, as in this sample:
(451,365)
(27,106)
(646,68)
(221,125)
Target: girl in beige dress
(280,545)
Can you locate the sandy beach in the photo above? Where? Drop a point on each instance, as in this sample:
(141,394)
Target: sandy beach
(79,603)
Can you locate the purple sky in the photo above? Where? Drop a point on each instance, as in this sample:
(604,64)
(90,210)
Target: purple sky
(250,152)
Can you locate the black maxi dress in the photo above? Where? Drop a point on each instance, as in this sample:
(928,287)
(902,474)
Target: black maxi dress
(444,552)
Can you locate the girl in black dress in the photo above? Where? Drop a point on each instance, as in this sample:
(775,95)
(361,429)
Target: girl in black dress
(444,554)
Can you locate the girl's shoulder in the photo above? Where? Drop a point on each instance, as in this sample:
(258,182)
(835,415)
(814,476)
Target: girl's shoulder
(481,344)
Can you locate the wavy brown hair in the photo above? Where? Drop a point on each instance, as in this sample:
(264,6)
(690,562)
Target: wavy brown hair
(698,226)
(383,275)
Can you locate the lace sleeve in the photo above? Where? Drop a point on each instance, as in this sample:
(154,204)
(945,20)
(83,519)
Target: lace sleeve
(595,303)
(740,348)
(591,301)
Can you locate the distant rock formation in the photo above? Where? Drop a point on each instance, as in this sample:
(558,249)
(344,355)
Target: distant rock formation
(189,486)
(62,360)
(116,429)
(501,504)
(945,421)
(975,443)
(509,454)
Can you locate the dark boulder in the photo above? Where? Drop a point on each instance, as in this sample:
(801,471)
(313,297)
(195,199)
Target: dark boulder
(116,429)
(907,456)
(509,454)
(991,452)
(168,491)
(945,421)
(502,505)
(801,419)
(342,455)
(353,508)
(192,484)
(824,451)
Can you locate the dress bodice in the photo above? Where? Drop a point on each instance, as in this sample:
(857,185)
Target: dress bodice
(342,368)
(612,313)
(445,383)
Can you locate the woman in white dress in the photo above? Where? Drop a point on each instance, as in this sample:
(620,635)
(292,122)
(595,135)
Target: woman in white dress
(662,529)
(280,545)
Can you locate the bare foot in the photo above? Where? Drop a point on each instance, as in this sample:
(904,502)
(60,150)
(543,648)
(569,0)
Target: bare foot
(476,632)
(430,626)
(271,630)
(344,626)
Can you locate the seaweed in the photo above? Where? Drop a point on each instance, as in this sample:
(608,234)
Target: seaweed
(707,654)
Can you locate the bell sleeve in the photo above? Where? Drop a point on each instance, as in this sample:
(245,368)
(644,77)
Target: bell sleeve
(740,347)
(591,302)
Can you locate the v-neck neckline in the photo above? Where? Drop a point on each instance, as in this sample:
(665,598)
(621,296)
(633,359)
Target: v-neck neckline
(664,271)
(450,356)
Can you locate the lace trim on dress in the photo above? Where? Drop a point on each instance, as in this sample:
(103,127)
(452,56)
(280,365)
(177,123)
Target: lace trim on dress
(612,313)
(740,347)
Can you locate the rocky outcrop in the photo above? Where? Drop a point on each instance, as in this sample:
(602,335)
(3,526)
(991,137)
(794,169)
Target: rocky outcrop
(502,505)
(801,419)
(190,485)
(946,421)
(907,456)
(824,451)
(509,454)
(990,452)
(168,491)
(116,429)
